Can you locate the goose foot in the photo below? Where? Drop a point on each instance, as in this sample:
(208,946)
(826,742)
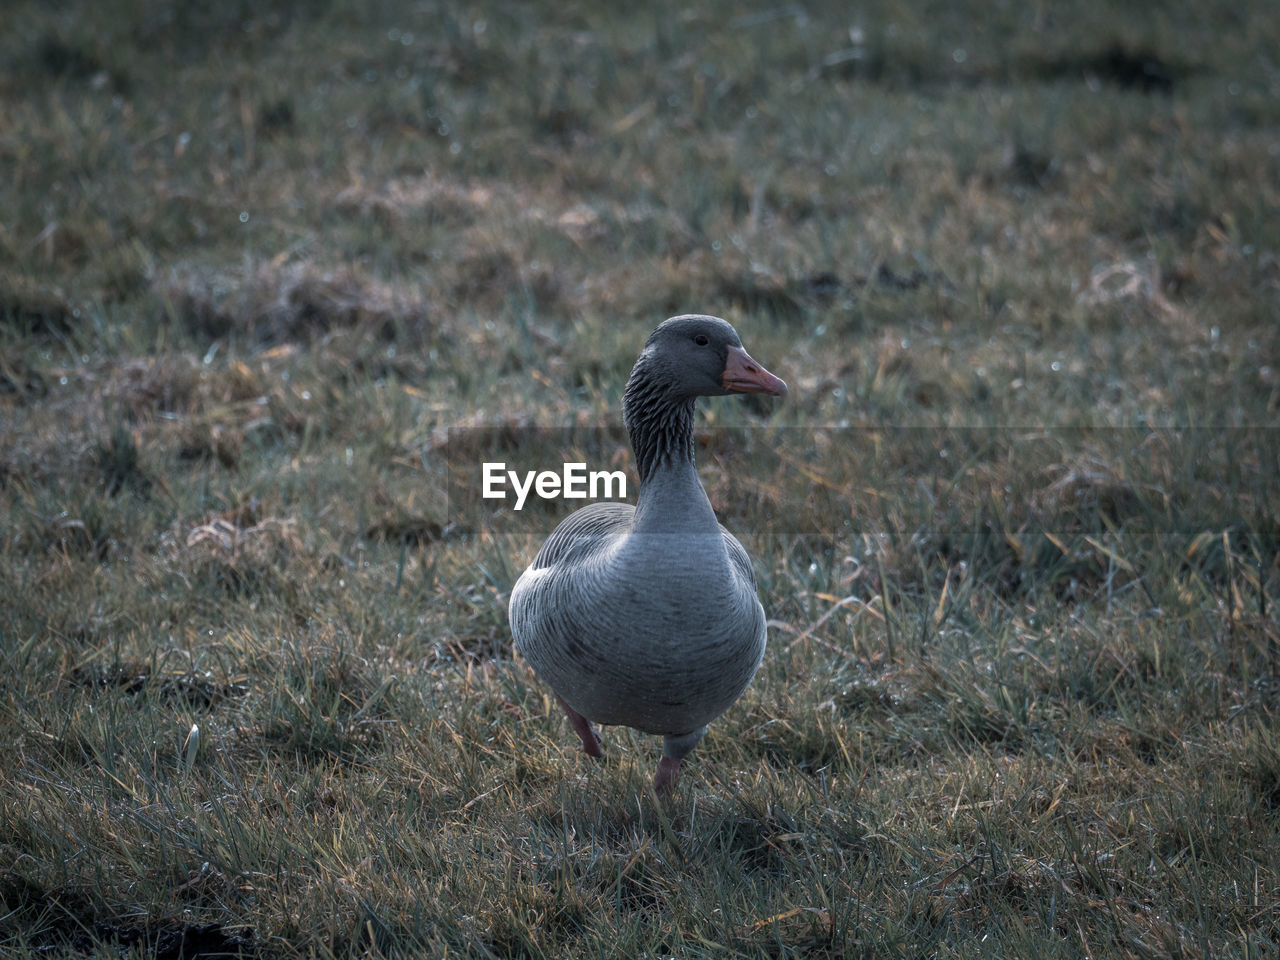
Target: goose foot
(582,727)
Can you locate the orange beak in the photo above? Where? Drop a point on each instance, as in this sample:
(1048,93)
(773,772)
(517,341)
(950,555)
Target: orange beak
(744,375)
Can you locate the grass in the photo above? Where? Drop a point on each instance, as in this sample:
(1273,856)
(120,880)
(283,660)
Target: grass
(274,279)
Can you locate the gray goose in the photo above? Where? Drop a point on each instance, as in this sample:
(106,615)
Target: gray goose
(647,616)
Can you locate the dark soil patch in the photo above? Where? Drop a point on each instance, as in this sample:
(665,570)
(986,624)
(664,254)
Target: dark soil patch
(136,678)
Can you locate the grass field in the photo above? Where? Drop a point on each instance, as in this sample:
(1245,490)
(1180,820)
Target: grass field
(275,277)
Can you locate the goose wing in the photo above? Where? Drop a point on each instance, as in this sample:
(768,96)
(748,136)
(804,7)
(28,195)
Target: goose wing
(584,533)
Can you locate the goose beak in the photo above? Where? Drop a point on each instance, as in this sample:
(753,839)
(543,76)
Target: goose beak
(744,375)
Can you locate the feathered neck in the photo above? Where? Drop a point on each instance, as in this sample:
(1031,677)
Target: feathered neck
(659,421)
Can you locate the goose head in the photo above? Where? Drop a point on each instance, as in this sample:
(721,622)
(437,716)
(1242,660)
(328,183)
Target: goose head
(699,356)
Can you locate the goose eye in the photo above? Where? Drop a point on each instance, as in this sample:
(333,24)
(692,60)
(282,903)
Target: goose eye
(701,340)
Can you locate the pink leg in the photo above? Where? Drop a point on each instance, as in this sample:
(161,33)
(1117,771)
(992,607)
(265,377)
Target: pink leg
(664,781)
(582,727)
(674,749)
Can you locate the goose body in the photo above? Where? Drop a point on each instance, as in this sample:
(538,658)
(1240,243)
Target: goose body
(647,616)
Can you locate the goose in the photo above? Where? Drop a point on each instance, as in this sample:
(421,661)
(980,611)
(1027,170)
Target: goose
(647,616)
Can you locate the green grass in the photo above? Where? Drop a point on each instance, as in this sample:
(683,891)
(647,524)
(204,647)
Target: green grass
(272,276)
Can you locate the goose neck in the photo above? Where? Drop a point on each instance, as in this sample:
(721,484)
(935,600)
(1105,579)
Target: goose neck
(660,428)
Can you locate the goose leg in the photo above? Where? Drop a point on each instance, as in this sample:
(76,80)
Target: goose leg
(582,727)
(675,747)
